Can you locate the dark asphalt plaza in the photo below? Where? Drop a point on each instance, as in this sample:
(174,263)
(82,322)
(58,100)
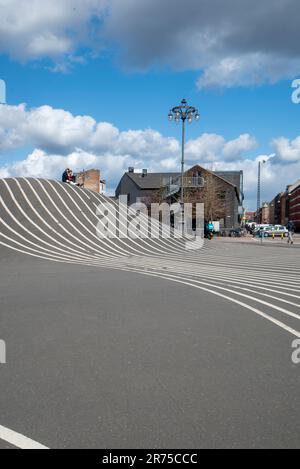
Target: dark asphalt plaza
(120,346)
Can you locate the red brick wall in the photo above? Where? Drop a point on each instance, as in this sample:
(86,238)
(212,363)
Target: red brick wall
(91,179)
(294,208)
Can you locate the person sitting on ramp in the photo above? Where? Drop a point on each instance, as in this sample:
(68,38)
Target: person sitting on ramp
(69,178)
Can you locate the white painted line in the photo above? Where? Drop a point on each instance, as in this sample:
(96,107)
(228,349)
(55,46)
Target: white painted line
(18,440)
(244,305)
(255,310)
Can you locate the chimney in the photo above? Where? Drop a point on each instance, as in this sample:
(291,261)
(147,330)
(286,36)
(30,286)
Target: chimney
(131,169)
(145,172)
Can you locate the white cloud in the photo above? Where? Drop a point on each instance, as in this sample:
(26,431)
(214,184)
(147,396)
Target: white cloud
(271,183)
(235,148)
(209,148)
(232,43)
(286,151)
(248,69)
(58,129)
(51,28)
(60,139)
(12,120)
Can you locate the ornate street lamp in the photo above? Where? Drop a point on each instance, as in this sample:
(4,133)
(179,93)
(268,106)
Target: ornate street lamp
(183,113)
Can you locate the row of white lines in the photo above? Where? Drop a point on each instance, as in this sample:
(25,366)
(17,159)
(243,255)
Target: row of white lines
(138,244)
(72,225)
(220,247)
(23,212)
(89,221)
(21,441)
(196,284)
(144,260)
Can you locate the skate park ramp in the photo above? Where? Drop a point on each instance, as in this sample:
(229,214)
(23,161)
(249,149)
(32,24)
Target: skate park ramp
(124,343)
(54,221)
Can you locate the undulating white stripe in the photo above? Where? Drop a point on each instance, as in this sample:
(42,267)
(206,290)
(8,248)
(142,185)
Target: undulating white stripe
(97,245)
(233,300)
(18,440)
(54,219)
(102,251)
(212,269)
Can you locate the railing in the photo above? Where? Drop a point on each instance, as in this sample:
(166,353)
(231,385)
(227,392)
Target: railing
(174,185)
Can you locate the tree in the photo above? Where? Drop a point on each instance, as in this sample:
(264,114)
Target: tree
(212,195)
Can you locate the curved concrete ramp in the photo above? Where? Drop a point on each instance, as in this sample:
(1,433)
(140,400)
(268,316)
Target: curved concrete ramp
(124,343)
(54,221)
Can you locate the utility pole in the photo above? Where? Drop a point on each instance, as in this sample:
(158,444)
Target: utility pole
(259,186)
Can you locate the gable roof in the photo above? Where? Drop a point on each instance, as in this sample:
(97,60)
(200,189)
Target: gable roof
(200,168)
(294,186)
(154,181)
(151,180)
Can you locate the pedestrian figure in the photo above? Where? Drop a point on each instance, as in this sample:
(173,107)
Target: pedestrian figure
(291,238)
(290,227)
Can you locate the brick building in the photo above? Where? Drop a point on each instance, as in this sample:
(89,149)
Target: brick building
(294,204)
(222,191)
(250,217)
(275,210)
(285,207)
(284,212)
(265,218)
(91,180)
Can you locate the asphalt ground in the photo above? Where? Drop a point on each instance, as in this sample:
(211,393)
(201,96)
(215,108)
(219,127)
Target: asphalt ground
(156,348)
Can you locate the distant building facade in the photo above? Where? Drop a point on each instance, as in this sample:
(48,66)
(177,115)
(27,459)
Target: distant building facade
(275,210)
(91,180)
(221,192)
(294,204)
(265,214)
(285,207)
(250,217)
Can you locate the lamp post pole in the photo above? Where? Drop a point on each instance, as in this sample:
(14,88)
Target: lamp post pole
(183,113)
(259,186)
(182,163)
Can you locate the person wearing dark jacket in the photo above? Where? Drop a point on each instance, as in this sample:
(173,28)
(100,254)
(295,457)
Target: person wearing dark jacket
(65,175)
(290,226)
(69,178)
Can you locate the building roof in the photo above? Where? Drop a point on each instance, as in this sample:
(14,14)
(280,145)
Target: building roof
(157,180)
(233,177)
(151,180)
(294,186)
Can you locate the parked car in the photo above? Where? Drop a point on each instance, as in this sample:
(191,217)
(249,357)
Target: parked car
(277,230)
(271,231)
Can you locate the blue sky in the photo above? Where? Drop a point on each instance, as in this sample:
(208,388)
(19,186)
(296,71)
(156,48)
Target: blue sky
(138,100)
(114,77)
